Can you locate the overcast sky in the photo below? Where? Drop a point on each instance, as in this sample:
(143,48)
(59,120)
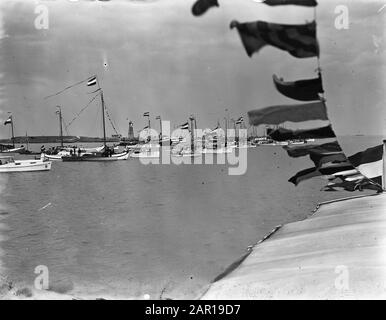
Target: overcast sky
(155,56)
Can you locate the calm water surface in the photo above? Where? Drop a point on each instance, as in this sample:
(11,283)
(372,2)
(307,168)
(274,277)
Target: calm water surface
(124,229)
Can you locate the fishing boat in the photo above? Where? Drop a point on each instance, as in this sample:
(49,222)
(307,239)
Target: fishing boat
(9,164)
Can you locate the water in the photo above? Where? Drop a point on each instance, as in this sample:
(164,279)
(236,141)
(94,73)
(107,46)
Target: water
(123,229)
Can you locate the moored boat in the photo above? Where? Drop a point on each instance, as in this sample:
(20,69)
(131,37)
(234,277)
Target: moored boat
(9,164)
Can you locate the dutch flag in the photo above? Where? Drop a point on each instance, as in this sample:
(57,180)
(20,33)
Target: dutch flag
(92,81)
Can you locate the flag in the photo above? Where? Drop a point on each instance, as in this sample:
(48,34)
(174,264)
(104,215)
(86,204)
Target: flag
(92,81)
(305,3)
(360,183)
(146,114)
(158,117)
(201,6)
(298,40)
(293,113)
(184,126)
(9,120)
(301,151)
(239,120)
(303,90)
(316,172)
(217,127)
(369,163)
(334,157)
(283,134)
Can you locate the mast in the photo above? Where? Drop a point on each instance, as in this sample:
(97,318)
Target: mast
(160,128)
(103,114)
(59,112)
(226,132)
(192,121)
(103,119)
(13,134)
(27,140)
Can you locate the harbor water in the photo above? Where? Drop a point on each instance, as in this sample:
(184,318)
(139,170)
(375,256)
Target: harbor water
(128,230)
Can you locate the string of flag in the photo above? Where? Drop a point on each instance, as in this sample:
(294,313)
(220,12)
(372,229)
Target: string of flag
(300,41)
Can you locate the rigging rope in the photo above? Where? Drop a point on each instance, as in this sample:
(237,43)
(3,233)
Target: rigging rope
(84,108)
(111,121)
(69,87)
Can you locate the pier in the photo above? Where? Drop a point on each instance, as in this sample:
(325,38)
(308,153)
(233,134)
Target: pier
(339,252)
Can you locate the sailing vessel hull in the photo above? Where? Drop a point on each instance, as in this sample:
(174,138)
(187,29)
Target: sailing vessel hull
(95,158)
(26,166)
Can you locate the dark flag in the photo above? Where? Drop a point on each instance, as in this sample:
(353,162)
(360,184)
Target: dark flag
(369,163)
(201,6)
(299,40)
(303,90)
(301,151)
(293,113)
(319,159)
(305,3)
(316,172)
(282,134)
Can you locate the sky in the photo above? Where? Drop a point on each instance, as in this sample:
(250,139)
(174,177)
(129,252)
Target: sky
(155,56)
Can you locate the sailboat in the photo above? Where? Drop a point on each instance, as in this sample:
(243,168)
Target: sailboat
(14,149)
(101,154)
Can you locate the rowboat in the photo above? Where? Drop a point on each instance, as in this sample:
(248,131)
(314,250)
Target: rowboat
(9,164)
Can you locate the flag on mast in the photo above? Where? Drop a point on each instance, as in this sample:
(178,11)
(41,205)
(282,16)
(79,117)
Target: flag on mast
(158,117)
(184,126)
(92,81)
(303,90)
(146,114)
(369,163)
(8,121)
(239,120)
(298,40)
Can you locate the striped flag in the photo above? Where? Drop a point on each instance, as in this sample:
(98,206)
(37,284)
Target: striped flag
(158,117)
(305,3)
(92,81)
(317,172)
(239,120)
(298,40)
(304,150)
(201,6)
(293,113)
(369,163)
(8,121)
(303,90)
(283,134)
(184,126)
(146,114)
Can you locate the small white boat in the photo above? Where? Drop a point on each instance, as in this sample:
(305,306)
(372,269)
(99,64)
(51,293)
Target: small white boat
(9,164)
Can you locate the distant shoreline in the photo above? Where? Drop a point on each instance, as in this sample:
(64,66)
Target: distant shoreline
(56,139)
